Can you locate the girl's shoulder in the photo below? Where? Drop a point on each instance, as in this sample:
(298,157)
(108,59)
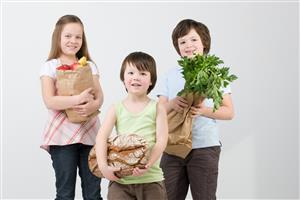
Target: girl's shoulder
(94,67)
(53,62)
(49,68)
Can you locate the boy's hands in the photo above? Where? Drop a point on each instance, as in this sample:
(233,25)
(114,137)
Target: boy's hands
(108,172)
(140,171)
(197,110)
(178,104)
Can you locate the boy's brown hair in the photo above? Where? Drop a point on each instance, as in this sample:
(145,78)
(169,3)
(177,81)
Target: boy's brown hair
(56,38)
(184,27)
(143,62)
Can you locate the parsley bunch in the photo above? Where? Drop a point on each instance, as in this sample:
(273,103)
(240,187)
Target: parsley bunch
(204,78)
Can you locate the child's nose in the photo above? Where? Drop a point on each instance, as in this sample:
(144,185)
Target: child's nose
(136,77)
(73,39)
(188,44)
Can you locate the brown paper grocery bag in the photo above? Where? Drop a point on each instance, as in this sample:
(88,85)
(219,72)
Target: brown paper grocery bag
(180,128)
(73,82)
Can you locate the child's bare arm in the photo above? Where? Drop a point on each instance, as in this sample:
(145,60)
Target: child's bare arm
(225,111)
(101,145)
(98,92)
(61,102)
(161,135)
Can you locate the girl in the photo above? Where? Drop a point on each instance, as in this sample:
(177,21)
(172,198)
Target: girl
(138,114)
(69,143)
(200,168)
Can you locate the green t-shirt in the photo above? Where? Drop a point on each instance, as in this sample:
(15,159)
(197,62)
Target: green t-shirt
(143,124)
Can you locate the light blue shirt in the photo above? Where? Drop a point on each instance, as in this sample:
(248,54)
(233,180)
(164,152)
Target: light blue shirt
(205,131)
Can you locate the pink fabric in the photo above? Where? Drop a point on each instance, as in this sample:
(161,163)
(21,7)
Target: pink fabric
(59,131)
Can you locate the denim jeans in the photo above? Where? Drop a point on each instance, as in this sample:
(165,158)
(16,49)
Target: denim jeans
(65,161)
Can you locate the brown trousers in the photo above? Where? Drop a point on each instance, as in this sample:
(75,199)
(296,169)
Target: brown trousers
(144,191)
(199,170)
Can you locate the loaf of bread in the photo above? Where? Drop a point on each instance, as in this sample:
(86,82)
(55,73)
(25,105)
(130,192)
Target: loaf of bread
(123,151)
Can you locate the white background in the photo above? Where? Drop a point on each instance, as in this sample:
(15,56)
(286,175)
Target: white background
(259,41)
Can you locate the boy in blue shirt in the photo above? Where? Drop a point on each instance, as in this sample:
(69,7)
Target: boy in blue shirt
(199,169)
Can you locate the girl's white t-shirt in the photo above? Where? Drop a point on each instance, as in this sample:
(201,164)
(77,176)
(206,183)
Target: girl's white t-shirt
(58,129)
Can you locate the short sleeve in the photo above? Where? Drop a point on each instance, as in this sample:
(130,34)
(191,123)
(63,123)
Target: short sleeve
(162,87)
(94,68)
(49,68)
(226,90)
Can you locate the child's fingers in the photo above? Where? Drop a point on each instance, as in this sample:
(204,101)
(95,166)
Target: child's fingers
(115,169)
(182,99)
(195,112)
(77,107)
(138,171)
(89,90)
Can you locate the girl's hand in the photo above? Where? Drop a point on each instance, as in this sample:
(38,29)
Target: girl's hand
(178,104)
(140,171)
(85,109)
(197,110)
(85,96)
(109,173)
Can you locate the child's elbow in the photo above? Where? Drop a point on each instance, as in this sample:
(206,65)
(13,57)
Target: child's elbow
(48,105)
(230,115)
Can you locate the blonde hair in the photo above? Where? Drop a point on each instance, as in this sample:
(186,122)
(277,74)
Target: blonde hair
(55,51)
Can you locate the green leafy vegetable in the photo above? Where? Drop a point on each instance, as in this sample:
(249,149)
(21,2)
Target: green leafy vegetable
(204,77)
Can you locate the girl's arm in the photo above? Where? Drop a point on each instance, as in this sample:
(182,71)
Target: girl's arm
(98,92)
(61,102)
(101,145)
(94,104)
(225,111)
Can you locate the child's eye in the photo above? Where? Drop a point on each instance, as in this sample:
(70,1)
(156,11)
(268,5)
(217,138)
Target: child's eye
(182,42)
(130,73)
(144,73)
(68,36)
(78,37)
(194,40)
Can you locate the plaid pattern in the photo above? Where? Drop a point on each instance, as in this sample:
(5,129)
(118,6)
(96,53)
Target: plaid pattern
(59,131)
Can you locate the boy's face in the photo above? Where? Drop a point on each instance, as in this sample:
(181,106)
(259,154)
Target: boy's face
(136,81)
(71,39)
(190,44)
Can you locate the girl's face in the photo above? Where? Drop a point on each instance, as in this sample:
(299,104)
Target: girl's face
(136,82)
(71,39)
(190,44)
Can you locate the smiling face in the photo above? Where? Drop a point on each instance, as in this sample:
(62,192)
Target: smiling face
(135,81)
(190,44)
(71,39)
